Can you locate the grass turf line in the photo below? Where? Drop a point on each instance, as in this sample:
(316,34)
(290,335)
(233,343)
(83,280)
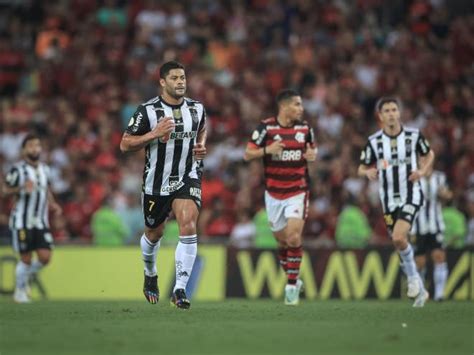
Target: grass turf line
(236,327)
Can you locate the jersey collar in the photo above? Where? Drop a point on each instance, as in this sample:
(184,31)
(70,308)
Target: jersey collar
(395,136)
(172,105)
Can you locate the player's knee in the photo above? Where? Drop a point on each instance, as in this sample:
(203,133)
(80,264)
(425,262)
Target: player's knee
(44,260)
(399,240)
(187,227)
(154,235)
(294,240)
(438,256)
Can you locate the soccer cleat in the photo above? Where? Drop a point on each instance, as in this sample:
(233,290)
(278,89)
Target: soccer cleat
(180,300)
(292,295)
(21,296)
(300,286)
(150,289)
(414,288)
(421,299)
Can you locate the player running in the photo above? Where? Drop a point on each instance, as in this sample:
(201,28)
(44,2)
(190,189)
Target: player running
(286,143)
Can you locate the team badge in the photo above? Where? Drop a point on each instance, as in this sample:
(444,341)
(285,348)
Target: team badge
(300,138)
(255,135)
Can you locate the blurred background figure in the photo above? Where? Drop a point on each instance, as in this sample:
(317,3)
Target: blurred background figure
(74,70)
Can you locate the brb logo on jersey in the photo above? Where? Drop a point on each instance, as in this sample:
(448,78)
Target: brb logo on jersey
(288,155)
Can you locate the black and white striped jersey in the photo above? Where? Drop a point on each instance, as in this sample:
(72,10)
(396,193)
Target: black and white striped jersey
(430,217)
(168,163)
(30,209)
(395,158)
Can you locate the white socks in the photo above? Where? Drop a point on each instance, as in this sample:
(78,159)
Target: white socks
(22,274)
(185,255)
(35,267)
(408,261)
(149,251)
(440,275)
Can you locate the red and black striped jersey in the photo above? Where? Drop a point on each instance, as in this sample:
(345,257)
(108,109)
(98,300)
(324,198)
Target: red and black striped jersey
(286,174)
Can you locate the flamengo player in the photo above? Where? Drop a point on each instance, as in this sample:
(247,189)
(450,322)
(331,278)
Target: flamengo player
(286,143)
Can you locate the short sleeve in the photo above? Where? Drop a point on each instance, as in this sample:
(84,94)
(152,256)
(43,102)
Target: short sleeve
(202,122)
(259,135)
(311,138)
(12,179)
(139,123)
(422,145)
(367,156)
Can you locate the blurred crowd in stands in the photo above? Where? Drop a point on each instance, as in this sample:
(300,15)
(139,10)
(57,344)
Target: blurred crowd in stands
(75,70)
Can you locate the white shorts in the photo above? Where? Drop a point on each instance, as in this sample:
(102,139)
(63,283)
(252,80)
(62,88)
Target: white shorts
(278,211)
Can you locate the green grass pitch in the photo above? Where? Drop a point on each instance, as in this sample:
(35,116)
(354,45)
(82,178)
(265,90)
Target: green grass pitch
(236,327)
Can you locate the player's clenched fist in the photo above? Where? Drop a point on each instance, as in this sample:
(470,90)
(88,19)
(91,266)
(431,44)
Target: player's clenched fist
(310,153)
(199,151)
(275,148)
(164,128)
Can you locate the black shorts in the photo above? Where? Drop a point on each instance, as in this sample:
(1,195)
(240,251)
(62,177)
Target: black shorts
(27,240)
(427,242)
(406,212)
(156,209)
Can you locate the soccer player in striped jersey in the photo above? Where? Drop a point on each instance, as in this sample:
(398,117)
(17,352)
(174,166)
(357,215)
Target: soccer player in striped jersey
(172,129)
(428,230)
(28,182)
(286,144)
(399,157)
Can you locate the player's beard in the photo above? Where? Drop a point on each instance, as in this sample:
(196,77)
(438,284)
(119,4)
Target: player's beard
(33,157)
(173,93)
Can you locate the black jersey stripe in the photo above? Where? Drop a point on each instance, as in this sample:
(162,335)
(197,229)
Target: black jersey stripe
(26,199)
(384,173)
(189,158)
(161,153)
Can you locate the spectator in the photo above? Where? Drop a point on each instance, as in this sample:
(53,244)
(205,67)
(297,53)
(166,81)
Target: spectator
(352,230)
(107,227)
(244,231)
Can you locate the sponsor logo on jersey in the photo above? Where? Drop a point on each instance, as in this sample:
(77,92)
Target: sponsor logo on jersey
(183,135)
(172,187)
(135,121)
(409,209)
(287,155)
(386,163)
(195,191)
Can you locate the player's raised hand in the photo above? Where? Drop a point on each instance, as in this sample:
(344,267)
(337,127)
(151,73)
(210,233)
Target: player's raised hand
(310,153)
(164,127)
(199,151)
(371,173)
(275,148)
(415,176)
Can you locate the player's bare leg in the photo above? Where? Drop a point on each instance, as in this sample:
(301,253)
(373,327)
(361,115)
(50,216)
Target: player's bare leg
(150,243)
(293,232)
(43,259)
(440,273)
(186,213)
(22,273)
(415,284)
(420,261)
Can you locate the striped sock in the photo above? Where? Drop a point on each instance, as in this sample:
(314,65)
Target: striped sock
(185,255)
(294,257)
(282,255)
